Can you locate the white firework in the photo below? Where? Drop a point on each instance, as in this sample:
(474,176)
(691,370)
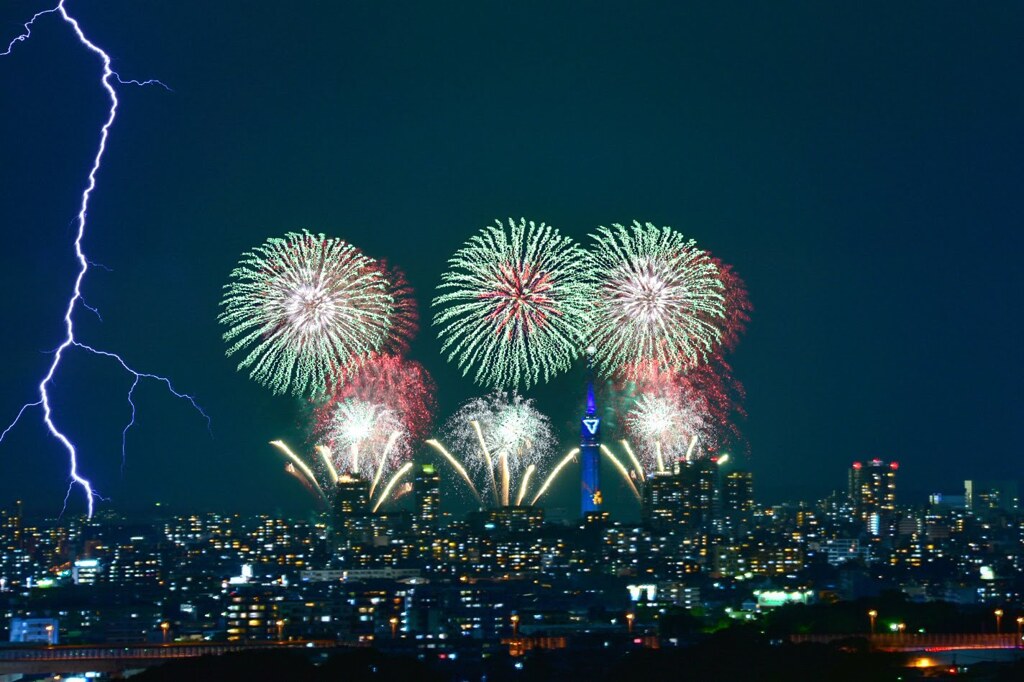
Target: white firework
(502,439)
(305,309)
(659,298)
(667,428)
(366,438)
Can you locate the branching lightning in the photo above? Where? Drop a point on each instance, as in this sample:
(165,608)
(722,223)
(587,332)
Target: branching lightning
(69,340)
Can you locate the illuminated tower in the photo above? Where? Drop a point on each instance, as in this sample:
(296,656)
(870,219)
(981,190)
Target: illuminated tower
(590,443)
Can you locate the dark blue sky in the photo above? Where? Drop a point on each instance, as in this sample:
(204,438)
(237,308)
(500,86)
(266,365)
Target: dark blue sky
(860,166)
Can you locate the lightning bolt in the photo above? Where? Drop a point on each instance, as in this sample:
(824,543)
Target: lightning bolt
(70,341)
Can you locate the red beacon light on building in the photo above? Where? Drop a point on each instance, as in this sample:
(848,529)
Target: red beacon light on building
(857,465)
(894,465)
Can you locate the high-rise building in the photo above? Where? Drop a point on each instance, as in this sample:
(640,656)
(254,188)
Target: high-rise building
(988,496)
(590,448)
(683,497)
(351,505)
(873,492)
(738,493)
(426,488)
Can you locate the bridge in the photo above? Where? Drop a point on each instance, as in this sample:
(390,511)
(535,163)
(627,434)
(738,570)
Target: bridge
(916,641)
(118,658)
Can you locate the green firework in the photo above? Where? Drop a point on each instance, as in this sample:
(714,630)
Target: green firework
(303,309)
(514,305)
(659,298)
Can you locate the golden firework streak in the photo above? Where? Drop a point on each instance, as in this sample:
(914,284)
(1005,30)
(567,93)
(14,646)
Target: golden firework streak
(551,477)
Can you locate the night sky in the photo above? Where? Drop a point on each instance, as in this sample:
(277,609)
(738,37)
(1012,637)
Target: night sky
(860,166)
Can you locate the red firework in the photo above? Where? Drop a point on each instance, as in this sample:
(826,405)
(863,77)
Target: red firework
(522,300)
(737,306)
(394,382)
(405,317)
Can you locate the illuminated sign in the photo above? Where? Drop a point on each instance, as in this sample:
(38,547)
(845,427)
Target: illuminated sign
(591,425)
(770,598)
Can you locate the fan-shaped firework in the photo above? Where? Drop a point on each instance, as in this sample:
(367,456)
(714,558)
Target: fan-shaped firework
(659,298)
(514,307)
(401,386)
(668,426)
(502,439)
(362,436)
(303,308)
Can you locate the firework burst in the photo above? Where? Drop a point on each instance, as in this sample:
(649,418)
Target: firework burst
(503,439)
(659,298)
(402,386)
(514,307)
(666,427)
(304,308)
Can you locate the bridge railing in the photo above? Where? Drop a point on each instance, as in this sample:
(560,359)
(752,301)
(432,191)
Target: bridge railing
(147,651)
(917,641)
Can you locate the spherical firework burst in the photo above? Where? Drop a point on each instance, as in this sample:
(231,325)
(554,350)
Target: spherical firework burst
(502,439)
(515,304)
(659,298)
(304,308)
(400,385)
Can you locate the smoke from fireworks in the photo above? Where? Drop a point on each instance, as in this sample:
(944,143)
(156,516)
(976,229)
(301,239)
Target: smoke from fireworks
(303,308)
(659,298)
(502,439)
(514,307)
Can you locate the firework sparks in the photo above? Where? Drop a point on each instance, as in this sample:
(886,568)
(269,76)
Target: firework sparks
(300,469)
(321,479)
(514,306)
(623,471)
(362,436)
(554,473)
(304,308)
(659,298)
(503,439)
(405,317)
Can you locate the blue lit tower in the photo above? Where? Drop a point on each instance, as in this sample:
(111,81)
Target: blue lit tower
(590,444)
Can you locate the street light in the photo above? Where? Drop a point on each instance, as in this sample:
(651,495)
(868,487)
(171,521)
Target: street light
(872,614)
(999,620)
(165,626)
(515,624)
(1020,625)
(630,617)
(280,630)
(901,627)
(394,626)
(49,634)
